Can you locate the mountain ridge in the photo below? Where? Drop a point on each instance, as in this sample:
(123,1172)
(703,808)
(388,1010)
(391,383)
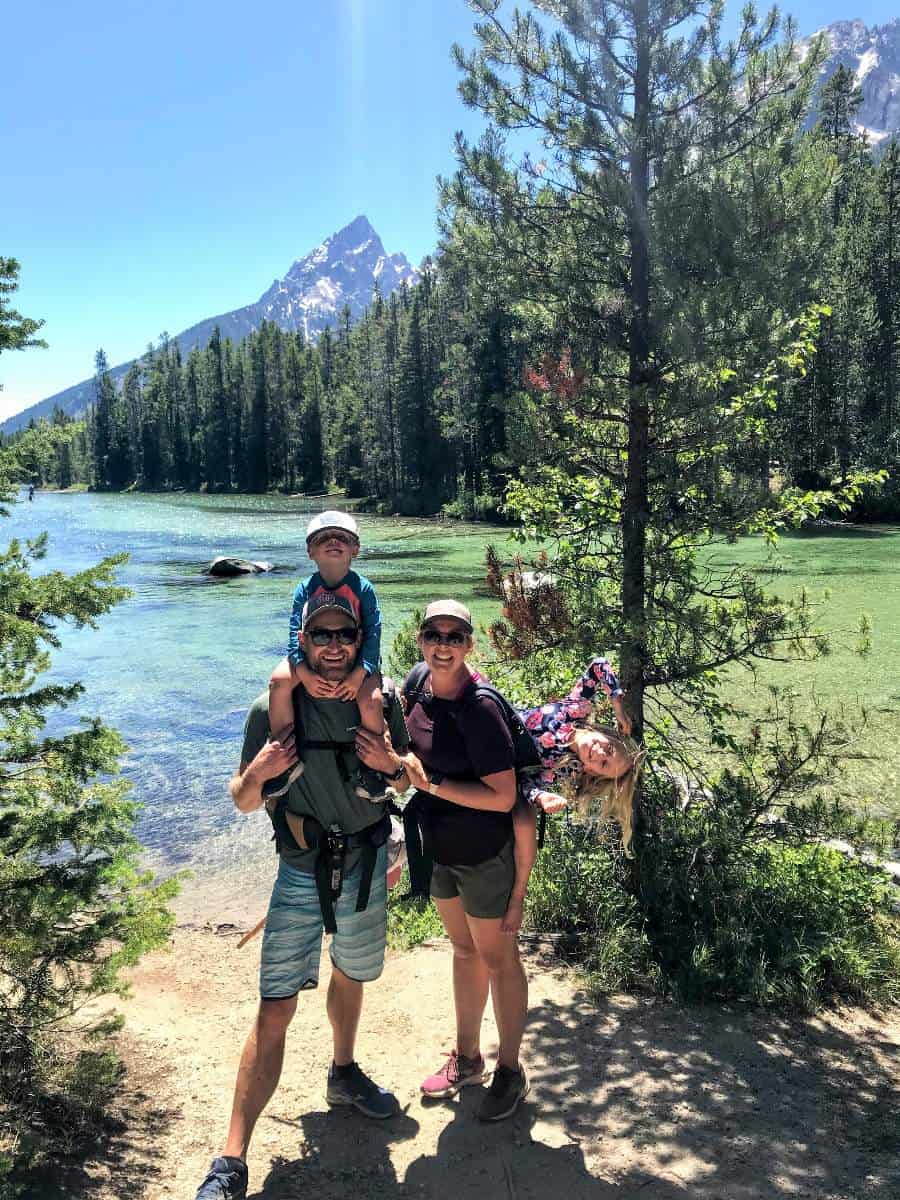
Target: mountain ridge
(342,270)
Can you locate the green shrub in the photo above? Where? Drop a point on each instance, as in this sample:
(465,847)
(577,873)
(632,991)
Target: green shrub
(738,912)
(578,890)
(410,921)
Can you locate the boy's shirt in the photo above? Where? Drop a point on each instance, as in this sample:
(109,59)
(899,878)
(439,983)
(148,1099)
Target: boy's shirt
(359,593)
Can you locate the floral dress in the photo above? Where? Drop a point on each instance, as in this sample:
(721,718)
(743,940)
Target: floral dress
(552,725)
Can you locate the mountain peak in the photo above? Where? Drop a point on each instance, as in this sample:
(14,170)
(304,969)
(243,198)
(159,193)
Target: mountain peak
(341,272)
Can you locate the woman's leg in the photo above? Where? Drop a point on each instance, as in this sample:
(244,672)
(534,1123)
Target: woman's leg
(509,988)
(470,977)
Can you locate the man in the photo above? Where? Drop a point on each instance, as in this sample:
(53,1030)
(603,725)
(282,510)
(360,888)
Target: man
(329,843)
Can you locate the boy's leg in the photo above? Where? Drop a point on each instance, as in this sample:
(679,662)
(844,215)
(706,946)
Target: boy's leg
(369,701)
(524,854)
(283,717)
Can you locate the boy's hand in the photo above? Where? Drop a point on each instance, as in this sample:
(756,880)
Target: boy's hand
(348,688)
(512,918)
(551,802)
(321,689)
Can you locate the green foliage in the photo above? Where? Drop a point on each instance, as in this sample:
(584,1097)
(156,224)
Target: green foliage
(578,891)
(735,907)
(413,921)
(404,652)
(75,906)
(16,332)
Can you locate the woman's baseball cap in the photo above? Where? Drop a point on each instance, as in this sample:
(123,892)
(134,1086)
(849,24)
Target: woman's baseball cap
(448,608)
(331,519)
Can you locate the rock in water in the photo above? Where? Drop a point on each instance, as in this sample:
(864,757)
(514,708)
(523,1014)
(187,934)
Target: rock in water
(226,566)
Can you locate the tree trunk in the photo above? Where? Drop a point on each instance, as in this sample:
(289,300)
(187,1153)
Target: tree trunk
(635,504)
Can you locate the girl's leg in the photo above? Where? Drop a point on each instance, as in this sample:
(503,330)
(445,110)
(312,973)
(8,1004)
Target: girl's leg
(509,988)
(369,702)
(470,977)
(524,853)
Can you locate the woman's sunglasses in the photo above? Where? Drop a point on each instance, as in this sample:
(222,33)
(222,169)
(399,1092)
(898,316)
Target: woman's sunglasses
(337,535)
(324,637)
(433,636)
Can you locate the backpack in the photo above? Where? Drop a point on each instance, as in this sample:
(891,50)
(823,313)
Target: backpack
(526,759)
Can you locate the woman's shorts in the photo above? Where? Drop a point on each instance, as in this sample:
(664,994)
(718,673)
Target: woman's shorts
(292,942)
(484,889)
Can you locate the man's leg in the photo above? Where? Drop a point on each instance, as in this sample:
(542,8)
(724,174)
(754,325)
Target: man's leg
(259,1072)
(357,957)
(344,1004)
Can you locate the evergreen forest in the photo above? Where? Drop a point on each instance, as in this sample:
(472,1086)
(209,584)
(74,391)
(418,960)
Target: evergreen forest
(436,397)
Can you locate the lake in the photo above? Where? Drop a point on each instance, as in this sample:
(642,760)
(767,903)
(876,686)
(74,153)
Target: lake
(174,667)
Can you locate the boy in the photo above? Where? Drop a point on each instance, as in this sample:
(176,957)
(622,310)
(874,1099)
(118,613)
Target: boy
(332,541)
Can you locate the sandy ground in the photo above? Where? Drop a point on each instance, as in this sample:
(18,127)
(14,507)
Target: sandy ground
(630,1097)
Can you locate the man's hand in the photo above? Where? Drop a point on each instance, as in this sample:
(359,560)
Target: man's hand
(377,751)
(347,688)
(273,759)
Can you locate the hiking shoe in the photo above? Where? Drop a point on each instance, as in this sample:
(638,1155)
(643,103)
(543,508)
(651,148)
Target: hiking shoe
(350,1085)
(371,785)
(273,788)
(227,1180)
(457,1072)
(508,1088)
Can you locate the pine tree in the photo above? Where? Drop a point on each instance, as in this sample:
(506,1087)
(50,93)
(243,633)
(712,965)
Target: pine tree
(652,250)
(75,906)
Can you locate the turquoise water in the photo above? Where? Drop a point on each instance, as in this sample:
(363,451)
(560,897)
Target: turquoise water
(175,667)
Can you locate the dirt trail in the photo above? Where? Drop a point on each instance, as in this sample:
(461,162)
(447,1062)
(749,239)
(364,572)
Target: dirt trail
(630,1098)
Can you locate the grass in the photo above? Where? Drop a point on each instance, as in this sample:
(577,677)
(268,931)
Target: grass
(848,572)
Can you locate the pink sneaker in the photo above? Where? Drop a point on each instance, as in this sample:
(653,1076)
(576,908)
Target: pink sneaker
(457,1072)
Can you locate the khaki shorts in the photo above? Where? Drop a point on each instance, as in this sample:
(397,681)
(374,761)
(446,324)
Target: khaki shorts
(484,889)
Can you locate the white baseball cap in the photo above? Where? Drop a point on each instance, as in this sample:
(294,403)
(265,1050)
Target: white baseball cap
(331,519)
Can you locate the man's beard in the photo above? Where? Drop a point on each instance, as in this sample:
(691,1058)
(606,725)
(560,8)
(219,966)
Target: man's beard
(333,673)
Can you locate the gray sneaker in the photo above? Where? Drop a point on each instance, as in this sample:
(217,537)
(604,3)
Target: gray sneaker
(508,1089)
(371,785)
(350,1085)
(227,1180)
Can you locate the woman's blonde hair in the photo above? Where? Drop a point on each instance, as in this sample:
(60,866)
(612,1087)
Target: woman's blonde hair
(616,796)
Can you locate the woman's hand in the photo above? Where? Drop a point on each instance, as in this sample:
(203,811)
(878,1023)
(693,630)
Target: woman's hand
(416,773)
(512,918)
(551,802)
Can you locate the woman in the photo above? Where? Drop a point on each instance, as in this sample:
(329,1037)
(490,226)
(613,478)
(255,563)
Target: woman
(462,766)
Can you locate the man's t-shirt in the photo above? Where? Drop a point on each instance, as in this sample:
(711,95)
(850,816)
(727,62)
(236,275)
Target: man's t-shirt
(322,791)
(465,740)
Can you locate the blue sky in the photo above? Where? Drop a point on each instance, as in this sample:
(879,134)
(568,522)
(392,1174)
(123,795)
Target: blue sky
(164,163)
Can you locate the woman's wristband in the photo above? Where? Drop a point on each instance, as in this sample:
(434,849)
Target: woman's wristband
(435,779)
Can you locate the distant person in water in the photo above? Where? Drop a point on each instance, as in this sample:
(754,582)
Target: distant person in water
(332,542)
(31,491)
(331,875)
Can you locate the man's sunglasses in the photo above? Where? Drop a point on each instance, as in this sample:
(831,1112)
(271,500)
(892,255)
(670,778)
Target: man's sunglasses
(433,636)
(337,535)
(324,637)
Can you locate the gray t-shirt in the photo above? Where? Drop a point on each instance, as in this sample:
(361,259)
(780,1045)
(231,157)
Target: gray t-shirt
(322,791)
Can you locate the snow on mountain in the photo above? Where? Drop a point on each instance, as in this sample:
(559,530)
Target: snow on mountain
(343,270)
(873,55)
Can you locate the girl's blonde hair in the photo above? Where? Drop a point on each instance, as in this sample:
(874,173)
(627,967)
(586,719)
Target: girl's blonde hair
(616,796)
